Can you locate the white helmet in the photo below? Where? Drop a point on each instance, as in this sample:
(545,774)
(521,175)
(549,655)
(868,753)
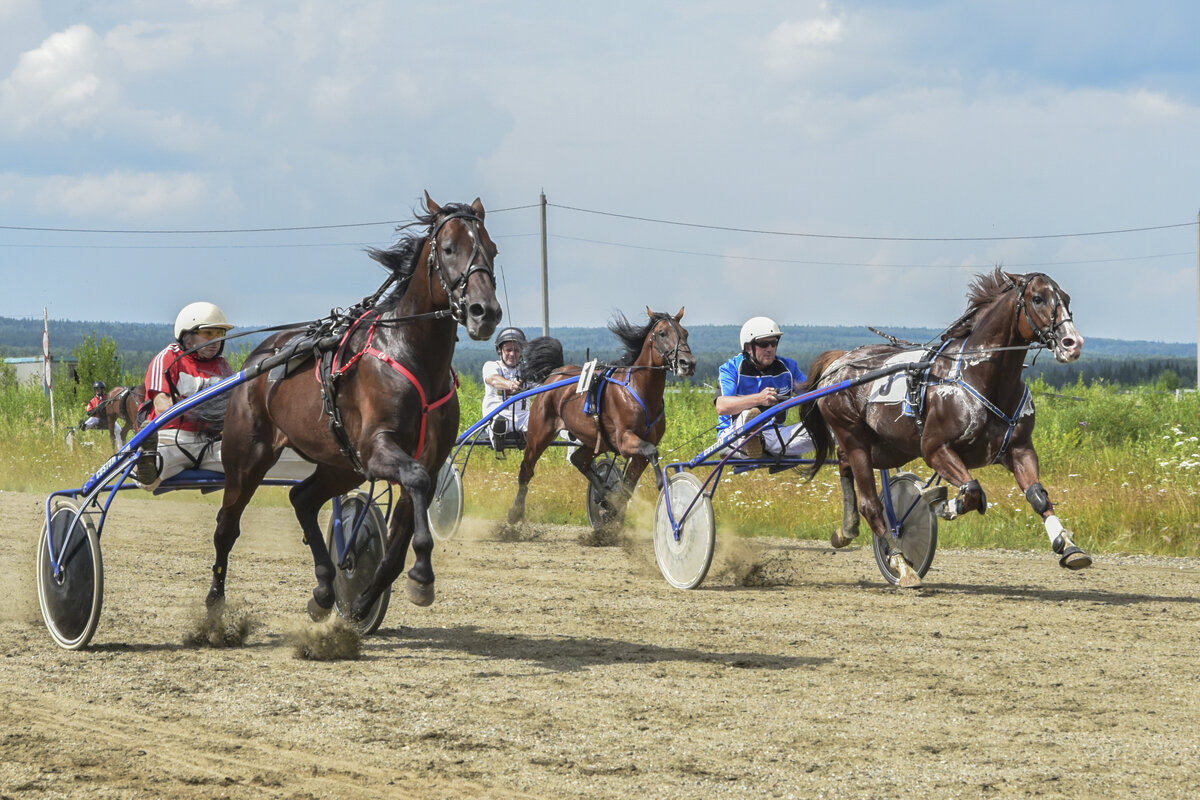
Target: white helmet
(759,328)
(200,315)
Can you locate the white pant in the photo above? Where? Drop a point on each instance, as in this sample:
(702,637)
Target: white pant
(179,450)
(175,445)
(792,441)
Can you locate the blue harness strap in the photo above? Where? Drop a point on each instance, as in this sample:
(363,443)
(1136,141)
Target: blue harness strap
(955,378)
(592,400)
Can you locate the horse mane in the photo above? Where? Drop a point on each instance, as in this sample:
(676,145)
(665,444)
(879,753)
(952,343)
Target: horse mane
(401,258)
(541,356)
(632,337)
(986,288)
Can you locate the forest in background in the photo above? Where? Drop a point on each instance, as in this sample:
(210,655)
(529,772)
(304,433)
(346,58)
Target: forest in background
(1110,360)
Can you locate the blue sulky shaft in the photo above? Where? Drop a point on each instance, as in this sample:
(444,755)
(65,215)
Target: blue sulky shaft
(123,460)
(761,421)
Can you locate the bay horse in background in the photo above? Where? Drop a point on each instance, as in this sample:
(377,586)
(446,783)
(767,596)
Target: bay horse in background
(120,405)
(626,415)
(394,414)
(972,409)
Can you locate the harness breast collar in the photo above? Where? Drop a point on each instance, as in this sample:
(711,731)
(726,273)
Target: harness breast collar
(333,370)
(591,403)
(918,386)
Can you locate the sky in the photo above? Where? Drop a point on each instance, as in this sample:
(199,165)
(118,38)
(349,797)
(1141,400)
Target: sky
(823,163)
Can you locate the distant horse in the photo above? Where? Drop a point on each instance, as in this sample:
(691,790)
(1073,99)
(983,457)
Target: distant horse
(625,414)
(972,409)
(119,405)
(394,409)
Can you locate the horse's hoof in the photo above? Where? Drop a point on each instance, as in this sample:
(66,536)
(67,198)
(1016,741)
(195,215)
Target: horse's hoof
(215,600)
(840,540)
(1074,558)
(910,580)
(421,594)
(317,612)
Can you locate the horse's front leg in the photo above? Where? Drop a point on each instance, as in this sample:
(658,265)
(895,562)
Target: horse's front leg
(950,466)
(409,524)
(1023,463)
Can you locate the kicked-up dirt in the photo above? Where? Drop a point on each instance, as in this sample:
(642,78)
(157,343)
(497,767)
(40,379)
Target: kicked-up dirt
(550,669)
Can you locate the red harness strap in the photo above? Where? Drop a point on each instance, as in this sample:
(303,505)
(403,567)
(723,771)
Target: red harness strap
(372,350)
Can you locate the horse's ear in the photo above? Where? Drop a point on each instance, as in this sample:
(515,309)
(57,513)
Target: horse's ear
(1014,278)
(478,206)
(679,316)
(649,313)
(433,207)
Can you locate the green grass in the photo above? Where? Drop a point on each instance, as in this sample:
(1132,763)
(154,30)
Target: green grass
(1122,466)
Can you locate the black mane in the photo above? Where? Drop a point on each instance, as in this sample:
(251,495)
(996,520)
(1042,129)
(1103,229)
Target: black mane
(632,337)
(401,258)
(542,356)
(986,288)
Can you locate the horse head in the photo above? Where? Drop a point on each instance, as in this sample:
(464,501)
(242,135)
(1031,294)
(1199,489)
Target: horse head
(670,340)
(1044,315)
(462,255)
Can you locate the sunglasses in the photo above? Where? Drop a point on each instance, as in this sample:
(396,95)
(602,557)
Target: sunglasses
(764,343)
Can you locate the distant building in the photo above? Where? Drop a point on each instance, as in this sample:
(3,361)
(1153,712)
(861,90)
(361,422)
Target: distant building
(29,369)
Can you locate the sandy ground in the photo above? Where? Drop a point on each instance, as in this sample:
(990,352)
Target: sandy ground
(551,669)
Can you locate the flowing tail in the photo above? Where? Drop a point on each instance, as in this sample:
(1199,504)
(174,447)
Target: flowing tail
(810,413)
(542,356)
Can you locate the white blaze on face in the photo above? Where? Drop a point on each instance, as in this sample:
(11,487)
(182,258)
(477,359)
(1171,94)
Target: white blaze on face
(1070,343)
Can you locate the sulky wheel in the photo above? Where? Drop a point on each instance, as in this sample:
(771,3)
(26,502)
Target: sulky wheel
(70,598)
(918,534)
(603,508)
(357,567)
(684,559)
(446,508)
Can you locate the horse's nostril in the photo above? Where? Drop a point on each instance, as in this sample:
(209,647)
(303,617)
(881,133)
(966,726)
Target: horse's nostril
(1069,344)
(476,310)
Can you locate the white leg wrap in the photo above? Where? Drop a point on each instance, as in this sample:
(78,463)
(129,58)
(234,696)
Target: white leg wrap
(1053,527)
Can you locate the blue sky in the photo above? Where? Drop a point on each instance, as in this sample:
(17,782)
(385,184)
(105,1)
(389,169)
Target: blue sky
(914,144)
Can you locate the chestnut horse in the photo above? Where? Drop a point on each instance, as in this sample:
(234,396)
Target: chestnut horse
(628,416)
(119,405)
(972,409)
(395,410)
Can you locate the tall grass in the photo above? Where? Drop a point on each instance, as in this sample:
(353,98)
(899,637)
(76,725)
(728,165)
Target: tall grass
(1121,464)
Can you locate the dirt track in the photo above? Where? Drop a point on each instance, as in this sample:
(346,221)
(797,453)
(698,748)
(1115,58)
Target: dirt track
(548,669)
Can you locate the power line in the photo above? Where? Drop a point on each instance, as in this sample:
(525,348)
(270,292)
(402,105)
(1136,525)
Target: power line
(871,238)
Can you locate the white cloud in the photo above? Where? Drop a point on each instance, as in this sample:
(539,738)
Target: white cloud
(794,42)
(58,82)
(122,195)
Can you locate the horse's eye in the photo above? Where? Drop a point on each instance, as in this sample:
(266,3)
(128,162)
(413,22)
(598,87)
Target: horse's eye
(1039,300)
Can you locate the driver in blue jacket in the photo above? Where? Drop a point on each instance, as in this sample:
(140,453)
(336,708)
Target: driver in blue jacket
(753,381)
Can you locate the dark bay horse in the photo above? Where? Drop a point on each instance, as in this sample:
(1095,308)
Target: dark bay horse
(395,414)
(972,409)
(628,417)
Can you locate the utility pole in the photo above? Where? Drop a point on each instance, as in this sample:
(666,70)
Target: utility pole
(1198,301)
(546,270)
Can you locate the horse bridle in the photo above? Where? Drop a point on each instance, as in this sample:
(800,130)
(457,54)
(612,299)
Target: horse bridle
(673,358)
(456,291)
(1047,335)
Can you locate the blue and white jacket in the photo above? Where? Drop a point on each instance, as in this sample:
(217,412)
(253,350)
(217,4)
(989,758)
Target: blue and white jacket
(739,376)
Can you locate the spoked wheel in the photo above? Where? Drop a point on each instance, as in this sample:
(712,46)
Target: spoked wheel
(601,512)
(72,598)
(446,508)
(918,532)
(357,567)
(684,560)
